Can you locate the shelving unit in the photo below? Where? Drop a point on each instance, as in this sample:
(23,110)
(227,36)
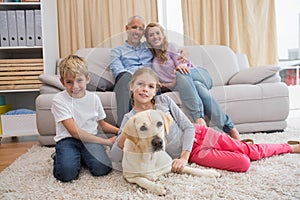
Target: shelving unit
(290,73)
(20,66)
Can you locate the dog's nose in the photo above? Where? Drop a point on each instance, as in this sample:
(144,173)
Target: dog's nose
(157,143)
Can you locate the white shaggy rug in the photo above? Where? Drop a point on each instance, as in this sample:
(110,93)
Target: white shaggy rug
(278,177)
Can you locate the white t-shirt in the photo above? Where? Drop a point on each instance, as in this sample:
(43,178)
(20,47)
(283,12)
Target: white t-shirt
(86,112)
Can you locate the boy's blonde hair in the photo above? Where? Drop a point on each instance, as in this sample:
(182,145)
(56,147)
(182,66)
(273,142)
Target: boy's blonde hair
(74,65)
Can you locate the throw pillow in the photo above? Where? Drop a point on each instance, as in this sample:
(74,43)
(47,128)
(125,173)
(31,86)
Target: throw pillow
(52,80)
(253,75)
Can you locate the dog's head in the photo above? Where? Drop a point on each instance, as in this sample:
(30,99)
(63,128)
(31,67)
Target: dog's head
(147,130)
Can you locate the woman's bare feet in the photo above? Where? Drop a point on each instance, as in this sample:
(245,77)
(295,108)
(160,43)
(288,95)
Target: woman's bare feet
(200,121)
(295,148)
(248,141)
(234,133)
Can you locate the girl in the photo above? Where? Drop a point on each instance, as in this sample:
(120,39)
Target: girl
(165,63)
(205,146)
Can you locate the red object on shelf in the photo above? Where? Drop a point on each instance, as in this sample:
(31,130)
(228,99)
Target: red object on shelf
(292,77)
(289,77)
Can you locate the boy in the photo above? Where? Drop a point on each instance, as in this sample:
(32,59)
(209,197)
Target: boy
(77,114)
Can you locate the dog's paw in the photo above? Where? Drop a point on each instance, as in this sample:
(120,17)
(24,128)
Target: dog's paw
(160,190)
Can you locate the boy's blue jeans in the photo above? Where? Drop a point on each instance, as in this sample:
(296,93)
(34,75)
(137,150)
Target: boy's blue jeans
(71,153)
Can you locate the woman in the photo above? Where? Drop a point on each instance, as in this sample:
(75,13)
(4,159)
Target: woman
(165,63)
(205,146)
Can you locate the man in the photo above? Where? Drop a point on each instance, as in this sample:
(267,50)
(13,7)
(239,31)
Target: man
(125,60)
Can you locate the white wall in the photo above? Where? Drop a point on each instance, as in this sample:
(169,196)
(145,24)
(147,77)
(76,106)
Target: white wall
(287,26)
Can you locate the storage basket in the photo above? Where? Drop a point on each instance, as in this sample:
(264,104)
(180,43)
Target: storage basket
(4,109)
(19,125)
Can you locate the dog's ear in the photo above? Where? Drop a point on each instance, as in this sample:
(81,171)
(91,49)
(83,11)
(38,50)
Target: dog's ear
(168,121)
(129,131)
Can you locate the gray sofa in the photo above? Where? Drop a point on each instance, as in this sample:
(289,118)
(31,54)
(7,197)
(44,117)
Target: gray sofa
(254,97)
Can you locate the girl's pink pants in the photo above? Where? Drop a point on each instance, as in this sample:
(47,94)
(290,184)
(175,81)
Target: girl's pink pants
(218,150)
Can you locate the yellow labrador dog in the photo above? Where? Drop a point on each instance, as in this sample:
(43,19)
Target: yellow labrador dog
(144,157)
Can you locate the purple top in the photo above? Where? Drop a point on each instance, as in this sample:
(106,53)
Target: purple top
(166,71)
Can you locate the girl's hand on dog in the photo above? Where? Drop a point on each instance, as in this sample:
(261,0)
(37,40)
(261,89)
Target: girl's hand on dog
(178,165)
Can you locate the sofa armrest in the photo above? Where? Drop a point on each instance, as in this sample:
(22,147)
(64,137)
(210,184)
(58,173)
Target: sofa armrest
(254,75)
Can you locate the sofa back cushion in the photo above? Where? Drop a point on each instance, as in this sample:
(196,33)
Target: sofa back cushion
(220,61)
(98,62)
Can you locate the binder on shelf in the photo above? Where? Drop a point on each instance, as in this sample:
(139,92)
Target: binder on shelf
(29,16)
(20,14)
(4,42)
(12,28)
(38,28)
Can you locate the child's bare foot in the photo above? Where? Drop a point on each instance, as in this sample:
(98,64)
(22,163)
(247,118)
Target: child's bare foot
(295,148)
(200,121)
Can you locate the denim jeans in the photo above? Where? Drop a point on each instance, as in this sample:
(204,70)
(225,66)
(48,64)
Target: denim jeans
(194,92)
(71,153)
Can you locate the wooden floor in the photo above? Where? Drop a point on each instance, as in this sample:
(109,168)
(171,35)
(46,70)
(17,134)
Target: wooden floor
(12,148)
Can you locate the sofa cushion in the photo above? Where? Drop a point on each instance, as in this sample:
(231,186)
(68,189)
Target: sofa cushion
(242,61)
(98,63)
(253,103)
(97,83)
(253,75)
(220,61)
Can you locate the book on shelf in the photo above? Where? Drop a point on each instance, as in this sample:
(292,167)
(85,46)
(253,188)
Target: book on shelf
(12,27)
(20,15)
(4,41)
